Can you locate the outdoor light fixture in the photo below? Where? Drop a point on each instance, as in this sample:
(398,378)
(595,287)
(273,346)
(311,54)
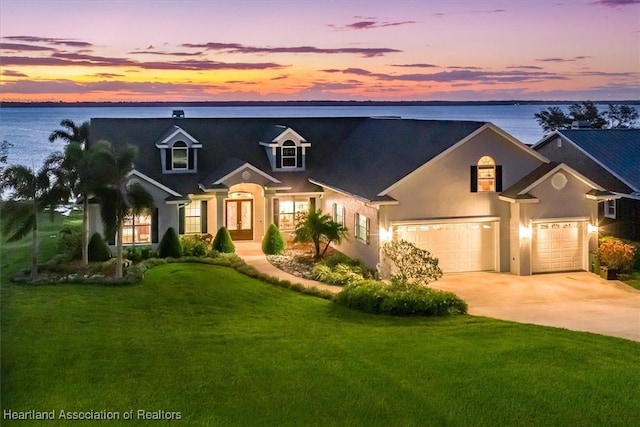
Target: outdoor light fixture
(525,232)
(592,228)
(385,235)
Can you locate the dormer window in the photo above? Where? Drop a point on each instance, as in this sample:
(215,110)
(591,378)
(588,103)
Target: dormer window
(289,155)
(178,151)
(180,156)
(286,149)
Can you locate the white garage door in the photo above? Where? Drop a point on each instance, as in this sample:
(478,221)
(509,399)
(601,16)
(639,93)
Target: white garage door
(459,247)
(558,246)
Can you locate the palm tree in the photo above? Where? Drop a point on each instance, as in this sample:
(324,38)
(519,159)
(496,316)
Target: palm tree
(116,196)
(30,194)
(76,139)
(318,228)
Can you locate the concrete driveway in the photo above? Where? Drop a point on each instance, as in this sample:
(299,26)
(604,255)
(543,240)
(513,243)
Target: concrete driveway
(578,301)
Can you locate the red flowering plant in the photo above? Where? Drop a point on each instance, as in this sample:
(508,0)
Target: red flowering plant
(616,255)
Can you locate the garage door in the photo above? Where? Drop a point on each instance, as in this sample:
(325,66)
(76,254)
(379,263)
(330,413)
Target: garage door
(558,246)
(459,247)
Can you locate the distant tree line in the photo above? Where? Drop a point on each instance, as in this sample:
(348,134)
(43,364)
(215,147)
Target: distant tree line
(617,116)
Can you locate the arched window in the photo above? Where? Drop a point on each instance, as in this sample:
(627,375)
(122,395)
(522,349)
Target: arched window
(486,174)
(289,154)
(180,155)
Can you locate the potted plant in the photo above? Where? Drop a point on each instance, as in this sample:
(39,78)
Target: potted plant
(615,256)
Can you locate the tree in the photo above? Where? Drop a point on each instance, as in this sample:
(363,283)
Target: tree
(273,243)
(553,118)
(617,116)
(76,173)
(31,193)
(117,196)
(621,116)
(316,228)
(411,265)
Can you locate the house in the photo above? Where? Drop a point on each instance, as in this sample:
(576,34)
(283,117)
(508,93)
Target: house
(610,157)
(470,193)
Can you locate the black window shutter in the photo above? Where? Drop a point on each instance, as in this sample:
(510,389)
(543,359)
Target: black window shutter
(279,157)
(181,219)
(203,216)
(312,204)
(112,239)
(498,178)
(368,230)
(168,159)
(299,157)
(276,212)
(154,226)
(191,154)
(474,179)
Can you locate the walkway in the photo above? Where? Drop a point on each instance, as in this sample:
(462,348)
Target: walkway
(251,253)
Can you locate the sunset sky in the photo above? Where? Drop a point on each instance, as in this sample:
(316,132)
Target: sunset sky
(310,50)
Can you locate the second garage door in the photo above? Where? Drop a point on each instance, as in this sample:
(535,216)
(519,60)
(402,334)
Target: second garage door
(459,247)
(557,246)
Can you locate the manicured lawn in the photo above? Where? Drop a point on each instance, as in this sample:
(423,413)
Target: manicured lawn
(634,280)
(224,349)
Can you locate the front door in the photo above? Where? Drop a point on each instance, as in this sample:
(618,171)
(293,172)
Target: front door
(239,220)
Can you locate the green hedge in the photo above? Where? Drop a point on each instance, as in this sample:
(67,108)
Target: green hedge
(400,300)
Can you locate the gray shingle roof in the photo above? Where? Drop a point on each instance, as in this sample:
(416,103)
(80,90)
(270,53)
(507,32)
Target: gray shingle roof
(359,155)
(514,191)
(616,149)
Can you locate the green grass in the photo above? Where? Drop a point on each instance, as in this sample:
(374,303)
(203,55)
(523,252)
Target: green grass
(224,349)
(634,281)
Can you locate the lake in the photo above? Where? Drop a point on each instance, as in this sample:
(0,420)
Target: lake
(28,129)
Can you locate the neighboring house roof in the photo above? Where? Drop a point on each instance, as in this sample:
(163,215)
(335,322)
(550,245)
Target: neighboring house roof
(615,150)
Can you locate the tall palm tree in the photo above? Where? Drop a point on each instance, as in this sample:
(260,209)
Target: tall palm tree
(316,228)
(76,139)
(30,194)
(117,197)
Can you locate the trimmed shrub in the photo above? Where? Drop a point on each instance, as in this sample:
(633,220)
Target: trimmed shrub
(195,245)
(69,242)
(222,242)
(410,263)
(341,274)
(400,299)
(273,243)
(615,254)
(98,251)
(170,245)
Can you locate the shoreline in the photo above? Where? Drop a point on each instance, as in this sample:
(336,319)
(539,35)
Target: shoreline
(316,103)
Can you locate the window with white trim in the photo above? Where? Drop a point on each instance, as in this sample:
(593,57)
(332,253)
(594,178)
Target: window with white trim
(362,228)
(610,209)
(192,218)
(289,154)
(338,213)
(137,228)
(180,156)
(486,174)
(289,211)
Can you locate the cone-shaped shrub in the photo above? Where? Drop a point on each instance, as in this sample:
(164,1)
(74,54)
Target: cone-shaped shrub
(273,243)
(170,245)
(98,250)
(222,242)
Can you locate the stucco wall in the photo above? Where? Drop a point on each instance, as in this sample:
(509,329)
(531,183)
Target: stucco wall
(441,189)
(355,248)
